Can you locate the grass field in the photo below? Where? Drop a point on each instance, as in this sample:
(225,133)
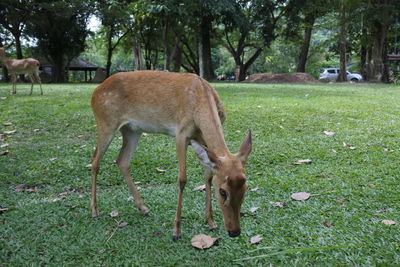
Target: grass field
(353,178)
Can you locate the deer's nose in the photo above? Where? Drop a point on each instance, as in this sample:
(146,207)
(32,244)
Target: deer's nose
(234,233)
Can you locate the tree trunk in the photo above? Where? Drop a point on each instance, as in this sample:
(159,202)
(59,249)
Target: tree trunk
(18,48)
(59,64)
(137,54)
(205,66)
(167,47)
(342,45)
(379,70)
(110,34)
(309,20)
(363,61)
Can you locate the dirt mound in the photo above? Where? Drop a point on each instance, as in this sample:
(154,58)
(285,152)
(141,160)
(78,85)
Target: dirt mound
(297,77)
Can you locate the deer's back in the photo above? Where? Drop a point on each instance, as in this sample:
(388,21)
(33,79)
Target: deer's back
(153,96)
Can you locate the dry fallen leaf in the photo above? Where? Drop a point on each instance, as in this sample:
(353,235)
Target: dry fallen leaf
(326,224)
(89,165)
(3,210)
(10,132)
(203,241)
(114,213)
(200,188)
(7,123)
(301,161)
(19,187)
(300,196)
(328,133)
(160,170)
(122,224)
(388,222)
(254,209)
(255,239)
(279,204)
(254,189)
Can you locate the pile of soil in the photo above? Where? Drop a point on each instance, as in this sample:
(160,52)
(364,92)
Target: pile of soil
(298,77)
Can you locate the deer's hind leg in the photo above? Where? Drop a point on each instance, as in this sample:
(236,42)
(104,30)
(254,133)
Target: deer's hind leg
(130,139)
(104,137)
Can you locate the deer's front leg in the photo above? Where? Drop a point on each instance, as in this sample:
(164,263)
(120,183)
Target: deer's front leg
(181,148)
(209,216)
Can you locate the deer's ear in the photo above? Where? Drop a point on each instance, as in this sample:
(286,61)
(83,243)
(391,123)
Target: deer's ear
(206,157)
(245,148)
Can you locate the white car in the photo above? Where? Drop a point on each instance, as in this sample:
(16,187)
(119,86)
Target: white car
(331,74)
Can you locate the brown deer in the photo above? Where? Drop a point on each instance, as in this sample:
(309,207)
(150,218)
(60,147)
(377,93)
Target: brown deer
(29,66)
(181,105)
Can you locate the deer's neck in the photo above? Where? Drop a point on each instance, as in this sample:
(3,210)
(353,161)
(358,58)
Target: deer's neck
(211,127)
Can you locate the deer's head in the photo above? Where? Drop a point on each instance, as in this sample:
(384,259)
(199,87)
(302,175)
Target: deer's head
(229,181)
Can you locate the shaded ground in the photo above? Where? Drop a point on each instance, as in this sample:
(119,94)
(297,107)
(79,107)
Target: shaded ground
(298,77)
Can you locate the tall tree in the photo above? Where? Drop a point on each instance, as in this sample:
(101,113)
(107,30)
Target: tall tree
(342,77)
(114,16)
(302,16)
(248,28)
(13,17)
(60,28)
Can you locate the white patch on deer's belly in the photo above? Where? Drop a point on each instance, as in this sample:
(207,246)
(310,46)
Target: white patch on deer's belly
(152,128)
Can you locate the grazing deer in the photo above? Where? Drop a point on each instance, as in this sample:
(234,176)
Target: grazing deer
(181,105)
(29,66)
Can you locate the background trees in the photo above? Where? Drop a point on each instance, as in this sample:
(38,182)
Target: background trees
(211,37)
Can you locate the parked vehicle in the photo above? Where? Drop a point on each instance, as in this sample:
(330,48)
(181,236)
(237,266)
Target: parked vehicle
(331,74)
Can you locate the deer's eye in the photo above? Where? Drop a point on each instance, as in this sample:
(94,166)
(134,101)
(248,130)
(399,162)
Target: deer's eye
(222,192)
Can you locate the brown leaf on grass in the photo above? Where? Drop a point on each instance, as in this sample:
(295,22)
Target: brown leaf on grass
(279,204)
(326,224)
(372,185)
(328,133)
(114,213)
(388,222)
(302,161)
(4,153)
(254,209)
(200,188)
(20,187)
(7,123)
(256,239)
(203,241)
(160,170)
(300,196)
(31,189)
(10,132)
(122,224)
(3,210)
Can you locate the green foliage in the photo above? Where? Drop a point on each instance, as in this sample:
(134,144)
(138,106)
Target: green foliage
(353,190)
(60,30)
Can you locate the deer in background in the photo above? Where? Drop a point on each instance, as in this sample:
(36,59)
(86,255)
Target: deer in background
(28,66)
(181,105)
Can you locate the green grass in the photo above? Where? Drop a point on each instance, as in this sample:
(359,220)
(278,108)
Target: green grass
(53,226)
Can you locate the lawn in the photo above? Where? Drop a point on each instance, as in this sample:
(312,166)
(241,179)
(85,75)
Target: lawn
(353,179)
